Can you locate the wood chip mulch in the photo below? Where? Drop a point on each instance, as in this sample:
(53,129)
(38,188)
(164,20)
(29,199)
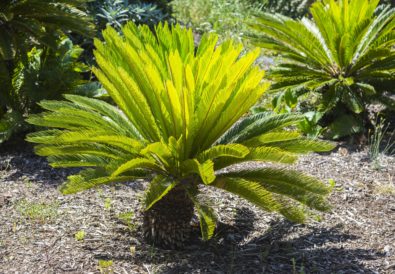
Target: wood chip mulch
(38,225)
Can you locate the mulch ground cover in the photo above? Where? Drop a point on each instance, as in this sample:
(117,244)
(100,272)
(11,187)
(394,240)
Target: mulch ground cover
(38,225)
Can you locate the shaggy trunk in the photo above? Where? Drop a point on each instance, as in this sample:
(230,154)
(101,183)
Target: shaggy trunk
(168,223)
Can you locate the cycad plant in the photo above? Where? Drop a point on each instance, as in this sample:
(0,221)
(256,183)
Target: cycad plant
(175,123)
(344,55)
(36,21)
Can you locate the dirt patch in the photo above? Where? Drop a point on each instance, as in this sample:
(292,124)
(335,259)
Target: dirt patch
(38,225)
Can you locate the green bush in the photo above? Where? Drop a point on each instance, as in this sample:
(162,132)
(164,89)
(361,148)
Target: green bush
(24,24)
(224,17)
(117,12)
(175,124)
(291,8)
(45,73)
(33,65)
(341,60)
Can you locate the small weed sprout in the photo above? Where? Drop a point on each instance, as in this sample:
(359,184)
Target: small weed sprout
(105,267)
(126,218)
(37,211)
(107,203)
(132,250)
(378,144)
(80,235)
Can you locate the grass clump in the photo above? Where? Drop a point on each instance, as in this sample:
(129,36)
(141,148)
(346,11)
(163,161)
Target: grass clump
(380,142)
(38,211)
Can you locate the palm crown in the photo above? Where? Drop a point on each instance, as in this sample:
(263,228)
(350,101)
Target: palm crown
(345,53)
(176,123)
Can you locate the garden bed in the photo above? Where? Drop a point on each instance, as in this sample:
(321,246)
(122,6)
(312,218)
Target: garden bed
(38,225)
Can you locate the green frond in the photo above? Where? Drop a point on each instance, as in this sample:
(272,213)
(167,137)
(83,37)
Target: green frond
(157,189)
(204,170)
(258,124)
(230,150)
(136,163)
(85,149)
(91,178)
(293,184)
(304,145)
(78,160)
(272,137)
(249,190)
(261,154)
(207,217)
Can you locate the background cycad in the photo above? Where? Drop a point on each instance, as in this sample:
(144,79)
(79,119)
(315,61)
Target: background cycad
(176,123)
(344,55)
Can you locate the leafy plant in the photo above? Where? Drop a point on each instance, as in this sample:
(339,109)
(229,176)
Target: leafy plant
(46,74)
(126,219)
(117,13)
(29,35)
(345,55)
(291,8)
(23,23)
(106,266)
(176,124)
(224,17)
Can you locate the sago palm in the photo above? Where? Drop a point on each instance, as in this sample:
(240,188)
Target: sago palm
(24,22)
(345,54)
(176,125)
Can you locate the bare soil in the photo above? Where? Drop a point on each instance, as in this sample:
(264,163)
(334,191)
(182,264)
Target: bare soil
(38,225)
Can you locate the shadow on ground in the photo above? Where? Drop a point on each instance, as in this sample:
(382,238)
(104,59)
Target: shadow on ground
(228,252)
(19,158)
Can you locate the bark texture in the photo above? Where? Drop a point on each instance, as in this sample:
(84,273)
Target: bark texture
(167,224)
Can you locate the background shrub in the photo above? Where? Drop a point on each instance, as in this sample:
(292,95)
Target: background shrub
(224,17)
(36,61)
(334,64)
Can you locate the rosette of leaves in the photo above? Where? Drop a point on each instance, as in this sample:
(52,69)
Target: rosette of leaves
(345,55)
(176,124)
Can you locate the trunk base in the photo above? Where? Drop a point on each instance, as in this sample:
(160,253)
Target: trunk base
(167,224)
